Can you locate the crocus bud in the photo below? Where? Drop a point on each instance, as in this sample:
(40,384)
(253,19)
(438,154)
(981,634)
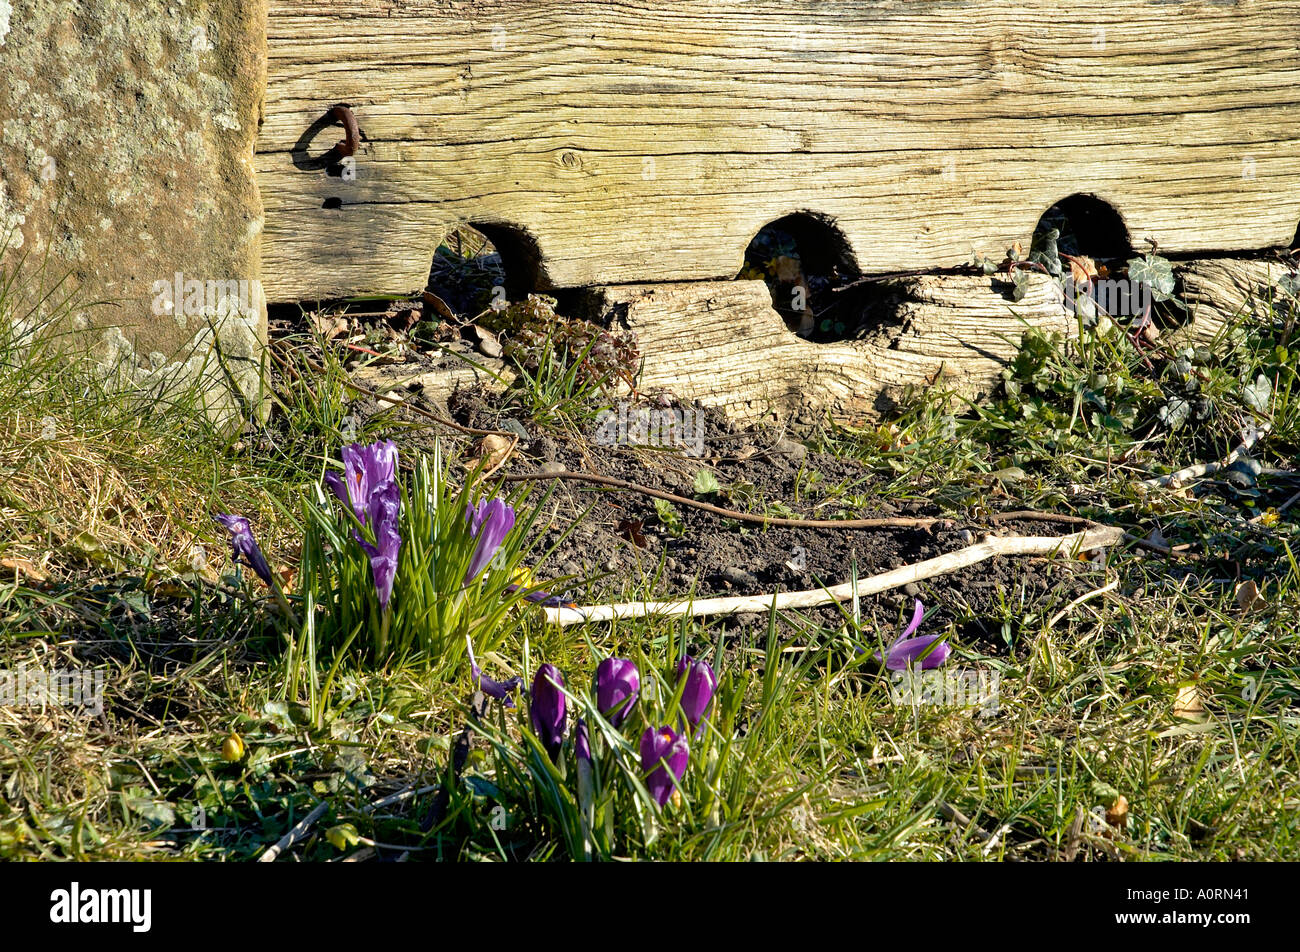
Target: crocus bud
(617,684)
(245,547)
(581,743)
(664,755)
(489,522)
(548,707)
(701,685)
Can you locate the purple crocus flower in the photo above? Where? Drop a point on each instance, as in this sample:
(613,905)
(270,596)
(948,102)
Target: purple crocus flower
(701,685)
(542,598)
(905,649)
(617,684)
(547,708)
(501,690)
(489,522)
(581,743)
(664,755)
(365,469)
(384,505)
(244,546)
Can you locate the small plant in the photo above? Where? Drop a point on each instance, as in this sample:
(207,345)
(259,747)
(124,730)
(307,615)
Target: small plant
(410,570)
(566,363)
(405,571)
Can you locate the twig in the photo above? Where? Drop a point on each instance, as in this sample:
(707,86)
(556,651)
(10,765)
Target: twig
(884,522)
(941,565)
(294,834)
(1249,437)
(1113,583)
(375,395)
(951,813)
(405,793)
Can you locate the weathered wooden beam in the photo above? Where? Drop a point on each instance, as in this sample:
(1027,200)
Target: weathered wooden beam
(650,141)
(721,343)
(1220,291)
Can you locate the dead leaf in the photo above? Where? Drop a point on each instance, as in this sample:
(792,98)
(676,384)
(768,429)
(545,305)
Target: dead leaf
(1117,812)
(23,567)
(493,450)
(1082,268)
(440,307)
(785,268)
(1187,703)
(631,529)
(1249,598)
(329,326)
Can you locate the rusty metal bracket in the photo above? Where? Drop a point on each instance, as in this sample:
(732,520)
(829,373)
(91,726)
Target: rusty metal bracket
(351,140)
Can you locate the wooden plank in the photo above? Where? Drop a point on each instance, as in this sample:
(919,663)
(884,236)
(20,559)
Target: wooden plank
(649,141)
(1224,291)
(721,343)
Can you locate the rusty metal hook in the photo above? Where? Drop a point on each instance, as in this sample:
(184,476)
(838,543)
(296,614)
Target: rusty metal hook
(351,140)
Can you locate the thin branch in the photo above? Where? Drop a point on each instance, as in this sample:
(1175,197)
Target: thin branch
(1109,586)
(941,565)
(295,834)
(1249,437)
(885,522)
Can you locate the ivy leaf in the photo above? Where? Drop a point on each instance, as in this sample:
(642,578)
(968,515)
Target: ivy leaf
(1156,273)
(1290,283)
(1043,250)
(1257,394)
(1021,286)
(1175,413)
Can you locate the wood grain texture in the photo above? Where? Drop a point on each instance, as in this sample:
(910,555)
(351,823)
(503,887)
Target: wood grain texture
(721,343)
(650,141)
(1221,291)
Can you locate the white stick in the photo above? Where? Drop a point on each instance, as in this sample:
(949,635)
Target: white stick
(1249,437)
(941,565)
(294,835)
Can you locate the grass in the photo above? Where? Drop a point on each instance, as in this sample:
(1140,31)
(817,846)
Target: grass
(1164,691)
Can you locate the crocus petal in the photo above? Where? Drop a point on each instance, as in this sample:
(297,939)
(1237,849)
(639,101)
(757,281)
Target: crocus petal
(384,505)
(543,598)
(383,560)
(335,483)
(918,612)
(664,756)
(903,654)
(617,685)
(489,522)
(501,690)
(701,685)
(581,743)
(547,708)
(366,467)
(244,546)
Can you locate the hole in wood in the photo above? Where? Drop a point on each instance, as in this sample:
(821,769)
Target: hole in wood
(521,257)
(1085,225)
(478,266)
(809,268)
